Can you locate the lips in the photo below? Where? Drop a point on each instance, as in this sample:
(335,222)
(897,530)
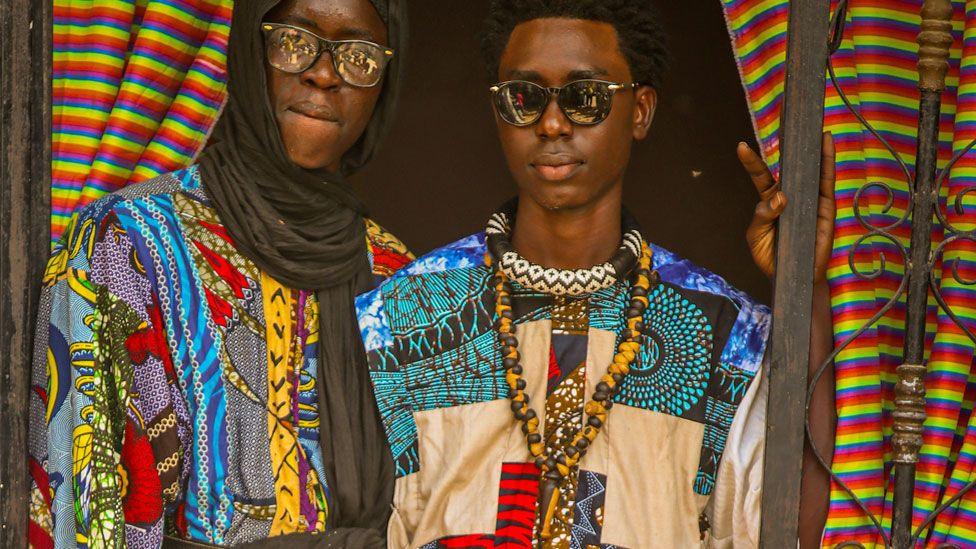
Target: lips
(315,110)
(557,167)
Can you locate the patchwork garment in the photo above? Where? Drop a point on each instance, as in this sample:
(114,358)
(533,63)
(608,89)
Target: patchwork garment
(174,383)
(677,464)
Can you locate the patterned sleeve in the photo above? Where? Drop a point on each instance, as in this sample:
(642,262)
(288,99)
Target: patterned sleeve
(736,504)
(94,460)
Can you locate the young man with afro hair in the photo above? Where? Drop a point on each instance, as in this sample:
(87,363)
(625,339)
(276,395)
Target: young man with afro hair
(557,380)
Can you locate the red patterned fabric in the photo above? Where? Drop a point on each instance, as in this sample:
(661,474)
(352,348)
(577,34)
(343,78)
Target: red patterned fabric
(142,499)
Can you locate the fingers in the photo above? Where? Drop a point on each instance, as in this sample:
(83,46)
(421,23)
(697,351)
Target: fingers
(828,166)
(767,212)
(757,169)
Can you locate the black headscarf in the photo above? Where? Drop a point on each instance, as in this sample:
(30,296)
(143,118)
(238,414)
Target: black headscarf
(306,229)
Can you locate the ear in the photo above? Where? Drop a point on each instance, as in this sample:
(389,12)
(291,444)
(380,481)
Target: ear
(644,108)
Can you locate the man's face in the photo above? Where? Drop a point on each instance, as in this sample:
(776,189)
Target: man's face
(320,116)
(556,163)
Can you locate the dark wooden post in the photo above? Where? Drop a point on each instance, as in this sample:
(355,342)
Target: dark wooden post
(801,134)
(25,198)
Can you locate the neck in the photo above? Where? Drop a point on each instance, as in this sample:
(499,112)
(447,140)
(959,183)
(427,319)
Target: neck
(576,238)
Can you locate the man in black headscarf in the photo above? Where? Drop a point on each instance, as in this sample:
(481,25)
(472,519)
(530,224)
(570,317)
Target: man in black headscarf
(214,306)
(284,144)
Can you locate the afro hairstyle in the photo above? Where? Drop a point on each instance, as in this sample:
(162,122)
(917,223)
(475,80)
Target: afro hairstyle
(642,38)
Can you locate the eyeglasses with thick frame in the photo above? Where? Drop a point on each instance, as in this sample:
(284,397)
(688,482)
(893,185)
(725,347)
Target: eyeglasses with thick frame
(591,119)
(381,55)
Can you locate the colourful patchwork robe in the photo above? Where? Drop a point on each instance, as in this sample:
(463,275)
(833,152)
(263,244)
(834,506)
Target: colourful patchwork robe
(677,464)
(174,383)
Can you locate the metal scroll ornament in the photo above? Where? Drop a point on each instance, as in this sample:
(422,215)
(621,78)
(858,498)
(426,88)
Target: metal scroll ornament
(935,39)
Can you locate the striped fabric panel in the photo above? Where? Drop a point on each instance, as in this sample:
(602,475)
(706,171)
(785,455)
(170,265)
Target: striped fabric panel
(137,86)
(876,68)
(950,431)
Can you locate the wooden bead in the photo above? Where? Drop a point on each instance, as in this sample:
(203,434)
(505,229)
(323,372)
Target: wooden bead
(631,346)
(593,408)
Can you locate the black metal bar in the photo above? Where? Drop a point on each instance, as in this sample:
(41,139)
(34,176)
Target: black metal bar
(935,39)
(806,61)
(25,160)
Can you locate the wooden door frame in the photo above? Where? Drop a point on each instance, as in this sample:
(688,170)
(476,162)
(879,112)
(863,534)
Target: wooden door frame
(801,139)
(25,225)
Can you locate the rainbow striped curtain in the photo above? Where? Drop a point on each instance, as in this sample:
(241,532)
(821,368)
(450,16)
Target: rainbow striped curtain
(876,68)
(137,86)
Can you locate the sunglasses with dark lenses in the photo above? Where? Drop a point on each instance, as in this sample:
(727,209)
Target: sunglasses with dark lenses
(584,102)
(294,49)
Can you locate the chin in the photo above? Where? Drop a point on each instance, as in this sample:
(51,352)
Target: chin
(313,161)
(556,196)
(315,165)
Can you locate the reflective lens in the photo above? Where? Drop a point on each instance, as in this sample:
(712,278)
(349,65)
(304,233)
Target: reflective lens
(360,63)
(294,50)
(290,49)
(521,103)
(584,102)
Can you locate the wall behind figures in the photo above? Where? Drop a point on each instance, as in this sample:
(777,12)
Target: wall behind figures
(441,172)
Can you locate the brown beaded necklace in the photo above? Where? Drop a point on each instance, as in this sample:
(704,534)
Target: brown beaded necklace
(556,467)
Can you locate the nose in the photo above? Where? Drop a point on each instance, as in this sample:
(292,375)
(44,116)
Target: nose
(553,124)
(322,74)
